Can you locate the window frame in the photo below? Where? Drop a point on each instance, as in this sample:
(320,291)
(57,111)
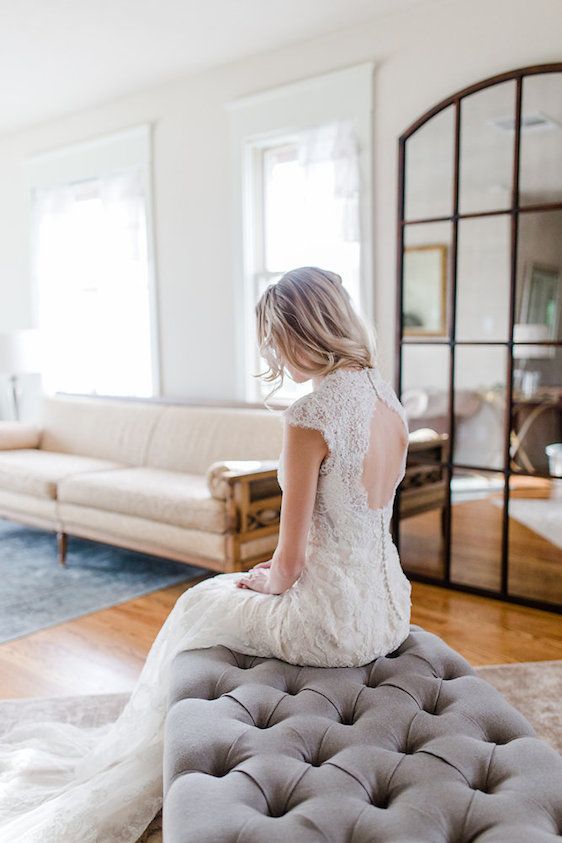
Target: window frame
(263,119)
(88,160)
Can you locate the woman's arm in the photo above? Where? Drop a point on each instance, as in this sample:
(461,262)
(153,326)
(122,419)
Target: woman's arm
(303,451)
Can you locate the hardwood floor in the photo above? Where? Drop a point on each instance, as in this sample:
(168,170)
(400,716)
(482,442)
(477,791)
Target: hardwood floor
(104,652)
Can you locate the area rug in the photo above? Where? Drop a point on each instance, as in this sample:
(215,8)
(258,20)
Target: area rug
(37,592)
(542,516)
(534,688)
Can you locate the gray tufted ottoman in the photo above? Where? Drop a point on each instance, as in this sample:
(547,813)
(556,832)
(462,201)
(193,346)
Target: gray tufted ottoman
(412,747)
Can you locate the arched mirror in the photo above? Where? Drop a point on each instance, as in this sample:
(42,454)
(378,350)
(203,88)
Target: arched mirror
(479,339)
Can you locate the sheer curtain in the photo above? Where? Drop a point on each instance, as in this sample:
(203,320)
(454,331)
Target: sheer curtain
(311,213)
(91,279)
(335,142)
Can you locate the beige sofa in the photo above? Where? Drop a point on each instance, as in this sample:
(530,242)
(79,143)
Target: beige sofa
(153,477)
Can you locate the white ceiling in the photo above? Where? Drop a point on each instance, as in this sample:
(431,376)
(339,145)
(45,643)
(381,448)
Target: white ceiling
(63,55)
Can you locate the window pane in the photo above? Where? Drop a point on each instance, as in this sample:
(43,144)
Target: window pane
(537,408)
(303,214)
(309,215)
(540,178)
(429,168)
(486,150)
(480,405)
(476,499)
(425,386)
(427,274)
(538,306)
(535,538)
(483,278)
(91,271)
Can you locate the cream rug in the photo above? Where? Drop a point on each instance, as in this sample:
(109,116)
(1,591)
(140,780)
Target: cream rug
(542,516)
(534,688)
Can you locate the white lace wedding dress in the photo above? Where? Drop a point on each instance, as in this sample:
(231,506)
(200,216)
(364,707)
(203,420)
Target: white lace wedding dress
(61,783)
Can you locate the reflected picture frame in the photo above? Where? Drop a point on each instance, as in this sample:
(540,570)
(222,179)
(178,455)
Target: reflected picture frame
(540,300)
(425,290)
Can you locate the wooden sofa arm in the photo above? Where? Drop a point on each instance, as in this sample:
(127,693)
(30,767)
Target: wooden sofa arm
(252,495)
(18,435)
(252,498)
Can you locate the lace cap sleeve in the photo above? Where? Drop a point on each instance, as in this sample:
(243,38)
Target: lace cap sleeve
(307,411)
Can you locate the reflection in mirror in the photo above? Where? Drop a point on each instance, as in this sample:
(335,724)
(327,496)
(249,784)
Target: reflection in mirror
(479,404)
(537,368)
(539,276)
(483,278)
(486,149)
(540,179)
(423,495)
(535,538)
(427,265)
(477,498)
(536,436)
(429,168)
(422,540)
(425,390)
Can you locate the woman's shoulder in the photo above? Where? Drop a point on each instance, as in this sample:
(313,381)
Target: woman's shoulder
(309,410)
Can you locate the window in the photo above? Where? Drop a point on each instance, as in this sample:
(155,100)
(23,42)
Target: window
(306,213)
(92,281)
(301,160)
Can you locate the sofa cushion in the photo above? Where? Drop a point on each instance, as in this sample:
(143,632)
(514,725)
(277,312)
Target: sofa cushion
(191,438)
(37,472)
(18,435)
(167,496)
(112,430)
(411,747)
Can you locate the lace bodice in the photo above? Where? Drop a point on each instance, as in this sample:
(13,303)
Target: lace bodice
(341,408)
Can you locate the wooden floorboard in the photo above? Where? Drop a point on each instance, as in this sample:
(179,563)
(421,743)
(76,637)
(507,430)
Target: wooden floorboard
(103,652)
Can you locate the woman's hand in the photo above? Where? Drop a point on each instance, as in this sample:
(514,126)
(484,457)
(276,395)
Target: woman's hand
(266,564)
(256,580)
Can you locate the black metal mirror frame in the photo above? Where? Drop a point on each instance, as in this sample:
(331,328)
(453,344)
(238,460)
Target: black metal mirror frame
(515,209)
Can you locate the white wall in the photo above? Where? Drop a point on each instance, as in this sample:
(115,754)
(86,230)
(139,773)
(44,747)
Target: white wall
(421,56)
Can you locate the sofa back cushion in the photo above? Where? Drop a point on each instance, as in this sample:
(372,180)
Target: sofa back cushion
(191,438)
(110,430)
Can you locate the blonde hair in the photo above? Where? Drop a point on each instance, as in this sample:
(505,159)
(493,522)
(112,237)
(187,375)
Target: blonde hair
(309,310)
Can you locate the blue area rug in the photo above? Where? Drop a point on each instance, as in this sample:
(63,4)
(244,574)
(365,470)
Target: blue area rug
(36,592)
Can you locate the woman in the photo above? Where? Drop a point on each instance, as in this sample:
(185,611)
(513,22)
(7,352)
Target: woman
(333,594)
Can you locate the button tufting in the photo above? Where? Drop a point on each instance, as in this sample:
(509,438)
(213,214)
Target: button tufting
(273,813)
(221,773)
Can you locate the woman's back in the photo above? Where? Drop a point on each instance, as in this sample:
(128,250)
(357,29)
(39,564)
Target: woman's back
(353,597)
(366,431)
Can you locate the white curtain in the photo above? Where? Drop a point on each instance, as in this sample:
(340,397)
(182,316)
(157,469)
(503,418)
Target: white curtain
(90,271)
(336,142)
